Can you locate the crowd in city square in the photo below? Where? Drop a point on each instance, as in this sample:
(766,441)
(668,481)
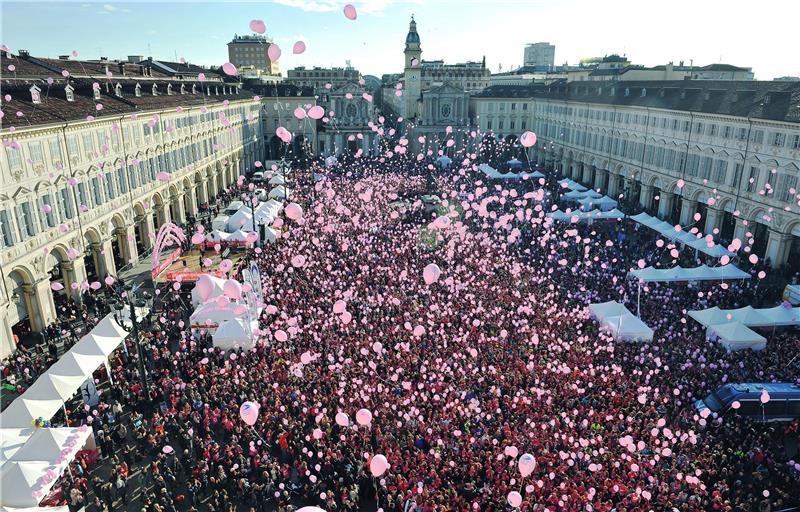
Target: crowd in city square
(412,355)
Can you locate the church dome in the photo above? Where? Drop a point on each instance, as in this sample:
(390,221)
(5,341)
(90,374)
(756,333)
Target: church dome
(412,36)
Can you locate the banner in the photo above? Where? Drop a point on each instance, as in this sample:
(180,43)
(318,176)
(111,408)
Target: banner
(188,276)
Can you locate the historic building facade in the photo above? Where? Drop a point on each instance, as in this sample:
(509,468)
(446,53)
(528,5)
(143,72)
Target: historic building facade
(728,150)
(96,157)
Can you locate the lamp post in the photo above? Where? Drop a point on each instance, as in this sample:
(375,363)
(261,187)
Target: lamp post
(133,302)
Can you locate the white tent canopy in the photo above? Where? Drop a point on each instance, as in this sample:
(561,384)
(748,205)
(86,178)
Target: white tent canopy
(572,185)
(234,332)
(701,273)
(62,380)
(277,180)
(238,236)
(627,327)
(577,195)
(280,192)
(604,203)
(211,314)
(622,324)
(216,236)
(32,453)
(11,440)
(51,385)
(241,219)
(271,234)
(493,173)
(606,309)
(769,317)
(736,336)
(18,479)
(703,244)
(582,216)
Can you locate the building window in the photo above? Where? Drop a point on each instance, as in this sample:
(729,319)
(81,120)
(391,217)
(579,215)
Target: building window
(118,90)
(14,157)
(36,152)
(96,93)
(169,89)
(727,131)
(183,88)
(489,124)
(758,137)
(7,238)
(55,150)
(70,93)
(752,179)
(779,139)
(446,110)
(524,125)
(155,90)
(36,95)
(138,91)
(713,130)
(796,142)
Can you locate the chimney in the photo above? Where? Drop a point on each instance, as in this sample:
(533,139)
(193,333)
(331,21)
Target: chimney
(63,57)
(23,54)
(121,68)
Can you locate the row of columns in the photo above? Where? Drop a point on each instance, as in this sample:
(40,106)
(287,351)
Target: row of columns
(38,296)
(778,245)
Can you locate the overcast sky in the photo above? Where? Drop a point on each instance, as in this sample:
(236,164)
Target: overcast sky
(762,35)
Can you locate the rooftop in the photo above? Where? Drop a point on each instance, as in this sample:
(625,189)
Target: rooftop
(777,101)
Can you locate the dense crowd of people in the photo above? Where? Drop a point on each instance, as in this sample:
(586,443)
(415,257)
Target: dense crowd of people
(495,358)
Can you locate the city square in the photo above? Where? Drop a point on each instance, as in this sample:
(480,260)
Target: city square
(450,286)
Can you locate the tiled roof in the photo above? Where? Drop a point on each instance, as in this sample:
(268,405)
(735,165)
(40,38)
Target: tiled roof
(54,107)
(510,91)
(778,101)
(282,90)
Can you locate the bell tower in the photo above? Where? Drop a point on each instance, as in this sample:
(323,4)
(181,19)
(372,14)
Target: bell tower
(413,71)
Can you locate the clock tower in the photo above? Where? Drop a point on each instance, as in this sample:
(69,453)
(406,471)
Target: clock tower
(413,72)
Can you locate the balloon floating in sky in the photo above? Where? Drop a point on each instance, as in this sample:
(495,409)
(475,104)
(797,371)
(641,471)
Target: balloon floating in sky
(299,47)
(350,12)
(258,26)
(229,69)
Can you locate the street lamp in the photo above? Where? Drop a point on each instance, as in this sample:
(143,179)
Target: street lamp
(132,301)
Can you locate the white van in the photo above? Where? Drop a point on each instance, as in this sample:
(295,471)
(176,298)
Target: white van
(258,177)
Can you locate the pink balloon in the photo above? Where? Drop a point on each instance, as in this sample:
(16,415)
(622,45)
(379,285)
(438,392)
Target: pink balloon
(346,317)
(56,286)
(249,412)
(339,307)
(342,420)
(298,261)
(232,289)
(109,280)
(281,335)
(316,112)
(514,499)
(167,449)
(258,26)
(204,287)
(526,464)
(294,211)
(431,273)
(299,47)
(378,465)
(528,139)
(350,12)
(198,238)
(229,69)
(95,285)
(299,113)
(46,208)
(163,176)
(274,52)
(364,417)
